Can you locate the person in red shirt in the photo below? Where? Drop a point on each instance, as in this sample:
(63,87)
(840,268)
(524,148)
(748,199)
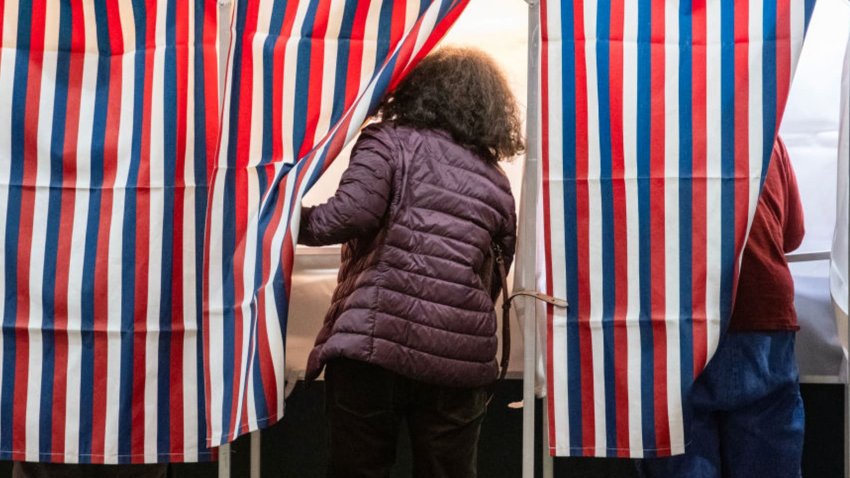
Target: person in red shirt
(745,408)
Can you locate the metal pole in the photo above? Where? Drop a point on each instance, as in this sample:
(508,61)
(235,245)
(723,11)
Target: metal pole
(224,461)
(524,278)
(845,98)
(548,462)
(255,454)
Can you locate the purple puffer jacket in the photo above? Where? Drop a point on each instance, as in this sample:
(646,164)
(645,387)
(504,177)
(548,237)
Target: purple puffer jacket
(417,214)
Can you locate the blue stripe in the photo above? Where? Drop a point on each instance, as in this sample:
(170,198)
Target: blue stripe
(13,218)
(302,79)
(727,161)
(88,345)
(260,405)
(809,9)
(128,243)
(686,179)
(385,20)
(768,84)
(570,233)
(603,58)
(343,52)
(169,159)
(644,120)
(423,6)
(201,189)
(229,219)
(54,214)
(267,61)
(446,6)
(384,76)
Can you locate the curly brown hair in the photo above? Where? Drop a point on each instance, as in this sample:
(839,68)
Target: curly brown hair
(463,92)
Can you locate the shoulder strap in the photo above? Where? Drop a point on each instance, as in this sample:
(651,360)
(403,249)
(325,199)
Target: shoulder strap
(507,298)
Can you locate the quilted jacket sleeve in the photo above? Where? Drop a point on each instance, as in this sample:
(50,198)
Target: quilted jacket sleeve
(358,207)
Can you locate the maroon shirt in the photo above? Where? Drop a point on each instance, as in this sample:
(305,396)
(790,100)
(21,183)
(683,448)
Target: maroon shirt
(765,297)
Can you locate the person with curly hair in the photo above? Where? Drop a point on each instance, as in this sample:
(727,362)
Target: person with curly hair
(411,332)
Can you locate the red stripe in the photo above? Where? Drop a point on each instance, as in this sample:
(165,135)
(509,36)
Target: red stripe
(699,191)
(214,117)
(211,83)
(314,91)
(30,160)
(783,56)
(143,235)
(405,59)
(241,206)
(582,230)
(657,226)
(355,53)
(398,23)
(101,288)
(547,215)
(437,34)
(178,325)
(621,236)
(742,128)
(66,224)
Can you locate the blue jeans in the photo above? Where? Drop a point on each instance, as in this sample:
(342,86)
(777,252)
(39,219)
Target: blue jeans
(746,414)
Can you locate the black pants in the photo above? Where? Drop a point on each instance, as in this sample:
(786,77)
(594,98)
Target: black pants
(365,406)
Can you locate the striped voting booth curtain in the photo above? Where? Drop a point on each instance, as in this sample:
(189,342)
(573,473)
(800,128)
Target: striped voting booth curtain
(108,125)
(111,133)
(301,78)
(658,119)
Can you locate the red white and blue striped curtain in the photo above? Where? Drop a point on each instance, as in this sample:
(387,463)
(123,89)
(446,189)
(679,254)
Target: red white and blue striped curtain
(658,118)
(109,142)
(108,125)
(302,76)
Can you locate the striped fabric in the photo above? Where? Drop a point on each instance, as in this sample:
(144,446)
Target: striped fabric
(658,120)
(301,78)
(108,122)
(110,128)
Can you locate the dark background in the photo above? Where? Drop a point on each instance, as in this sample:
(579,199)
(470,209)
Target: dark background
(295,447)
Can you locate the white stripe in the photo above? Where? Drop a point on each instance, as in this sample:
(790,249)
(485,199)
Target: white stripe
(41,192)
(214,283)
(7,72)
(156,218)
(411,15)
(248,268)
(429,21)
(595,242)
(329,90)
(116,233)
(216,311)
(290,70)
(630,27)
(798,26)
(671,231)
(78,235)
(756,118)
(370,44)
(560,349)
(713,174)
